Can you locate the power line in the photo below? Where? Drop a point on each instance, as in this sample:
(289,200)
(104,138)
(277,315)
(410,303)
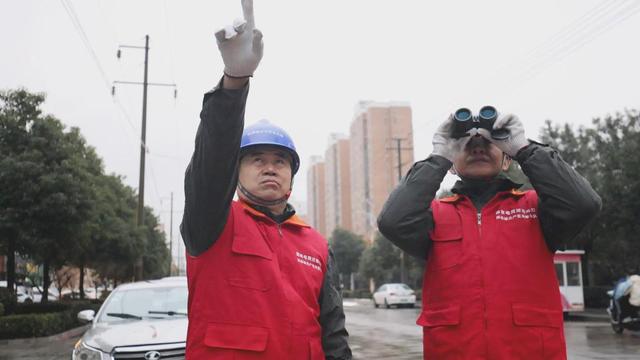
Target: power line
(576,41)
(567,32)
(73,16)
(68,6)
(153,179)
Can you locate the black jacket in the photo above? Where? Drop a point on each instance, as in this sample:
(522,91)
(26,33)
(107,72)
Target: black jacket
(566,200)
(210,183)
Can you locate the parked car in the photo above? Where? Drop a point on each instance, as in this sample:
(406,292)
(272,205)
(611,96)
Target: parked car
(141,320)
(394,294)
(23,293)
(37,294)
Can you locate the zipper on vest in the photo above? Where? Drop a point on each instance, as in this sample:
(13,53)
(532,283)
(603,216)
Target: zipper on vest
(279,229)
(480,222)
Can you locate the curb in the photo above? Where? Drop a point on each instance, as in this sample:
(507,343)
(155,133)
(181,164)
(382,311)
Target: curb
(75,332)
(598,315)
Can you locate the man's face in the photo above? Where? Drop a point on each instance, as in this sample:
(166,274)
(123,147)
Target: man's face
(480,159)
(265,171)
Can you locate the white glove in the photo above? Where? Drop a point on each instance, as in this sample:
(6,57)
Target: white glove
(516,139)
(241,44)
(447,146)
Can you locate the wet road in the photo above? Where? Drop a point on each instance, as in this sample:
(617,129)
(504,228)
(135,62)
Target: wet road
(382,334)
(392,334)
(41,349)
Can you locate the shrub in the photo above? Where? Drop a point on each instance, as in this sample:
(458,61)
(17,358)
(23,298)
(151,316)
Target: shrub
(34,325)
(357,293)
(418,293)
(39,308)
(596,296)
(43,319)
(1,309)
(7,299)
(362,293)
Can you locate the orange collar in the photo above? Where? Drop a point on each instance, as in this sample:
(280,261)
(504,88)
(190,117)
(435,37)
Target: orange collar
(293,220)
(517,192)
(450,199)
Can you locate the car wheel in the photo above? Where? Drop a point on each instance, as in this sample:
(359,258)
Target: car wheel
(411,306)
(386,304)
(28,301)
(375,304)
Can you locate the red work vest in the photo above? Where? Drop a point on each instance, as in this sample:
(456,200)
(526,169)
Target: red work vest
(490,289)
(254,293)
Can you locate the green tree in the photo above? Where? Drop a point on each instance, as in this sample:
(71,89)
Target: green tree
(57,206)
(347,248)
(118,240)
(381,261)
(63,197)
(19,170)
(155,256)
(606,154)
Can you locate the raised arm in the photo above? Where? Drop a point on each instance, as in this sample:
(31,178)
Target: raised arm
(406,217)
(212,175)
(567,202)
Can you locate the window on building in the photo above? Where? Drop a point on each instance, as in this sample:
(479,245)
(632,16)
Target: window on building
(560,273)
(573,274)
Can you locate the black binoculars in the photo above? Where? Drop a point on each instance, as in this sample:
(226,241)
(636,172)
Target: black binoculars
(464,121)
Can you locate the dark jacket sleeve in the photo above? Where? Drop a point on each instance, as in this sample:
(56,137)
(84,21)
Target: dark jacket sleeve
(406,217)
(334,333)
(566,200)
(211,177)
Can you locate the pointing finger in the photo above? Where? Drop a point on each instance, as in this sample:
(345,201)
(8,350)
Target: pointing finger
(247,11)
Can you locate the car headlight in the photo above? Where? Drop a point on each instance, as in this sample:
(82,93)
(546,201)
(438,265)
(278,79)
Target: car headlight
(84,352)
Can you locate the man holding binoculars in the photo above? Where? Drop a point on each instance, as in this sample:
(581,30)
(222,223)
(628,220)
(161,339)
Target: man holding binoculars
(490,289)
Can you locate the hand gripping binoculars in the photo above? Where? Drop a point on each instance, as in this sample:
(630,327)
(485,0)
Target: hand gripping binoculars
(464,120)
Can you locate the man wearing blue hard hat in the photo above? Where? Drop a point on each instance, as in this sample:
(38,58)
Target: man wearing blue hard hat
(262,283)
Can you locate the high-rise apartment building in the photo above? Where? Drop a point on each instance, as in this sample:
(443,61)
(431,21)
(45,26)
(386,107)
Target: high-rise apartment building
(337,171)
(316,195)
(381,147)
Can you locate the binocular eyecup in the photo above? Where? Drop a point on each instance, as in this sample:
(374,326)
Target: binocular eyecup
(464,120)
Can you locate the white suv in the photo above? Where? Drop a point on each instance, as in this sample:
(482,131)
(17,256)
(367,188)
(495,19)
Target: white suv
(142,320)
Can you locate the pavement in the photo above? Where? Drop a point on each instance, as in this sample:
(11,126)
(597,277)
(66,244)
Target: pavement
(382,334)
(54,347)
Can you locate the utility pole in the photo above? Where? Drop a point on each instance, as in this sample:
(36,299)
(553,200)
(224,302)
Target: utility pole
(143,142)
(138,265)
(171,236)
(399,148)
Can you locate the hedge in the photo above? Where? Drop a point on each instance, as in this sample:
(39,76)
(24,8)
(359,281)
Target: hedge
(41,323)
(357,293)
(596,296)
(366,294)
(34,325)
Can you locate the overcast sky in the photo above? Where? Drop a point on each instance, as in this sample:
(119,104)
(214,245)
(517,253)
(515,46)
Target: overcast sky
(568,61)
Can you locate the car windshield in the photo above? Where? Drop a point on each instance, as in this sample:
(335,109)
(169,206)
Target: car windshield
(151,303)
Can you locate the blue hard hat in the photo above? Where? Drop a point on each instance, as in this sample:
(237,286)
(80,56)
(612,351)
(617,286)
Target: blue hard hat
(265,133)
